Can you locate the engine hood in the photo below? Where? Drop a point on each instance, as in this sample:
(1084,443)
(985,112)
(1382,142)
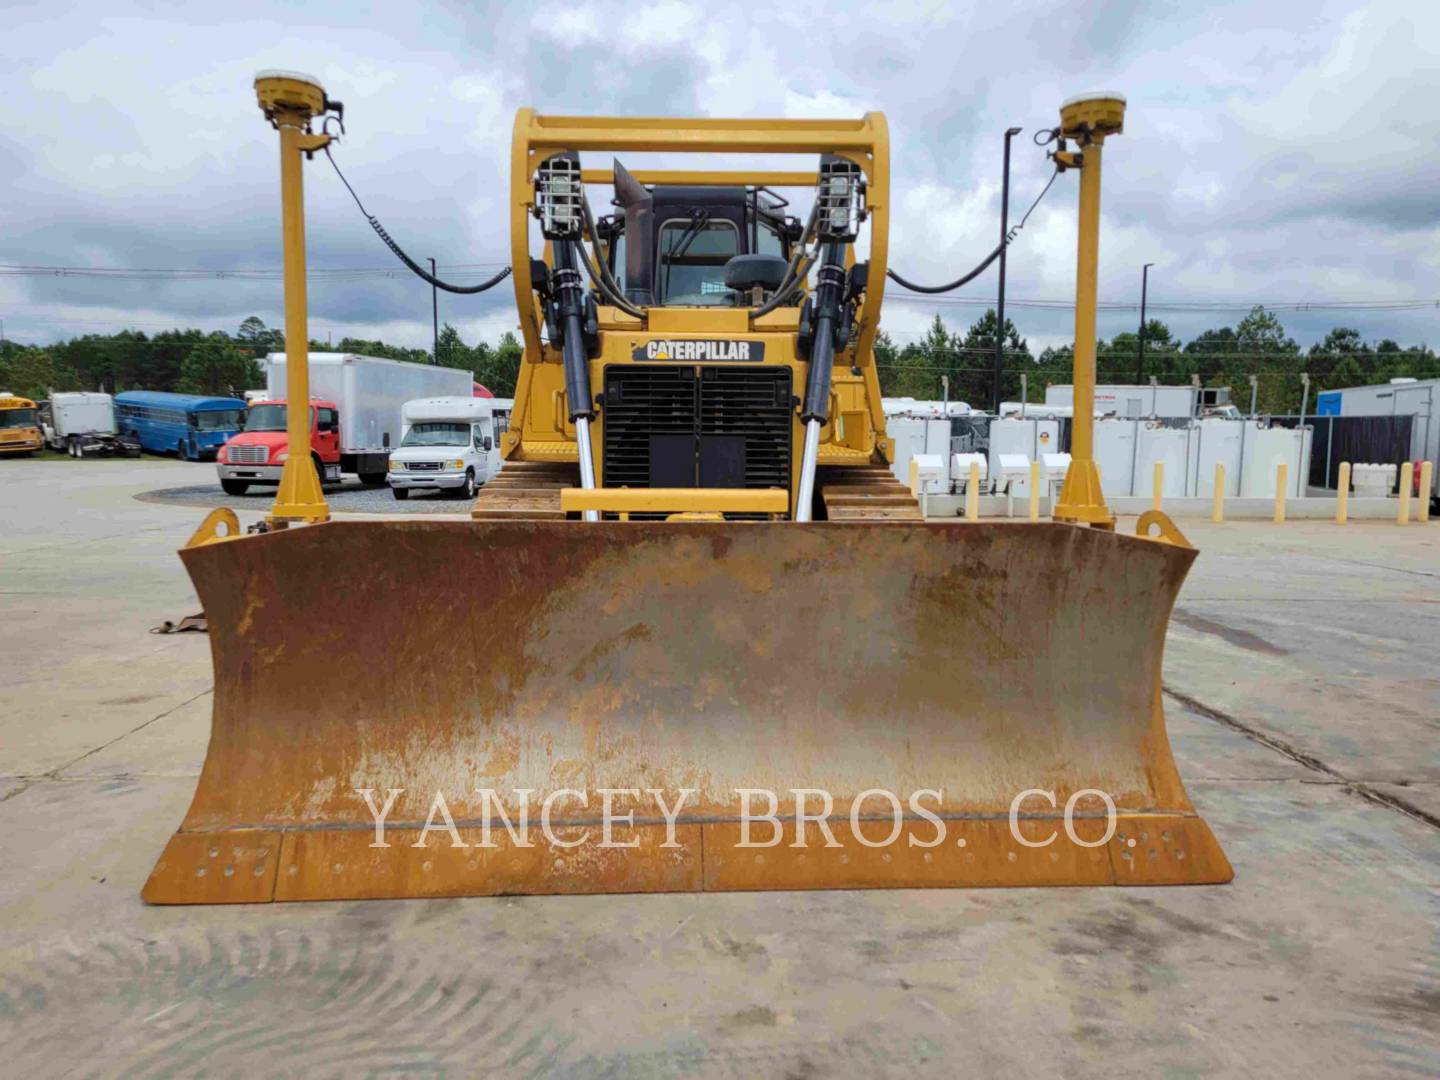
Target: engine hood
(259,438)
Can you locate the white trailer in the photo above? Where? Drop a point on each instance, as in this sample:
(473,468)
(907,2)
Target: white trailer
(370,394)
(1136,402)
(81,423)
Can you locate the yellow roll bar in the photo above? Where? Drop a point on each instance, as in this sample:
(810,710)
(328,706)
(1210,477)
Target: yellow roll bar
(865,141)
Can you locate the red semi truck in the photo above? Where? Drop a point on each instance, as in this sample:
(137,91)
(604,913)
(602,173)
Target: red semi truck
(355,418)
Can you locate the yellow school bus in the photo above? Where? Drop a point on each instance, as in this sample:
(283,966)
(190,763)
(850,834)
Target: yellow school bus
(19,425)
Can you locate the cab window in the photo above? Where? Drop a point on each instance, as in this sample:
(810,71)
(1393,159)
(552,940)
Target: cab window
(692,262)
(768,241)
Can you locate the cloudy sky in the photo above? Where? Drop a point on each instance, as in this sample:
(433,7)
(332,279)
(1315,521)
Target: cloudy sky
(1276,152)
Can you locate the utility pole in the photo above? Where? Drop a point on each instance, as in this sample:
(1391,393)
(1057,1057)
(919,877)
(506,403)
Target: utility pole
(1010,133)
(434,318)
(1140,355)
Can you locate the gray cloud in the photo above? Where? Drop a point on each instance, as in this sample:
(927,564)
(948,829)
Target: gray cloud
(1273,152)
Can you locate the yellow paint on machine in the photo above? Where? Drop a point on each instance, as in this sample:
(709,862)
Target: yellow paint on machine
(973,670)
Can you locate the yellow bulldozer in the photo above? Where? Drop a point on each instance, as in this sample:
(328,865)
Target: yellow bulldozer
(695,636)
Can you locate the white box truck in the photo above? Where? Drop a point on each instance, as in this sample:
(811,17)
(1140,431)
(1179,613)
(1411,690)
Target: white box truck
(450,445)
(81,424)
(356,405)
(1135,402)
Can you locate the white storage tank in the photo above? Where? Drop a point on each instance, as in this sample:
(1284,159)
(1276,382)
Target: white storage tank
(1115,455)
(1267,447)
(1217,441)
(916,435)
(1169,445)
(1126,452)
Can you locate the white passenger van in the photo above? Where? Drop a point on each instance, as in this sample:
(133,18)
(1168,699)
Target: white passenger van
(449,444)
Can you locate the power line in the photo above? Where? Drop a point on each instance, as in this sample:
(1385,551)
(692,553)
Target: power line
(903,296)
(487,269)
(314,274)
(1061,367)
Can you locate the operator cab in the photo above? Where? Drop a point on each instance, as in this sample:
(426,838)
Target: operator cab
(684,246)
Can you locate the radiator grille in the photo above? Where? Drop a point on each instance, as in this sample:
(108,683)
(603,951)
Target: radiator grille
(641,402)
(248,455)
(731,422)
(754,405)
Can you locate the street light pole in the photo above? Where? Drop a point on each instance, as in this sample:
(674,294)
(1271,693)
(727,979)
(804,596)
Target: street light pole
(1000,302)
(1140,356)
(434,318)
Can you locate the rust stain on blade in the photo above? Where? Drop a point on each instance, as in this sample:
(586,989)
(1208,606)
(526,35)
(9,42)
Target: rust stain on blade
(978,660)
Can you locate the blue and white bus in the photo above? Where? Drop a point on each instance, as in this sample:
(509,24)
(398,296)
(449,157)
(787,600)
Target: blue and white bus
(191,426)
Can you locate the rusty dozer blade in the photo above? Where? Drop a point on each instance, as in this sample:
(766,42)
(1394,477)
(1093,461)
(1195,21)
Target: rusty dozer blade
(985,675)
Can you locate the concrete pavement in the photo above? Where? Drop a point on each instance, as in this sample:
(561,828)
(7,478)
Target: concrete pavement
(1305,719)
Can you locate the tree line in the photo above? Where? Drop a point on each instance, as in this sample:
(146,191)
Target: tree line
(193,361)
(1225,356)
(196,362)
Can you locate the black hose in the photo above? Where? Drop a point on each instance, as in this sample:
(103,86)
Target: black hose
(420,272)
(608,286)
(971,276)
(795,273)
(984,263)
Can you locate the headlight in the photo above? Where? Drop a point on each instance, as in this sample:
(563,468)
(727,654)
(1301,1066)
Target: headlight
(397,466)
(281,456)
(457,464)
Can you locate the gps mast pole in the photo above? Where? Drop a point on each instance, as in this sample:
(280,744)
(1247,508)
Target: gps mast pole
(1087,119)
(289,101)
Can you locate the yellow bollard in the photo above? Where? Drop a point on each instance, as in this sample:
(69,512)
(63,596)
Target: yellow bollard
(1342,495)
(1217,509)
(1422,512)
(1281,471)
(1407,481)
(1158,485)
(972,493)
(1034,491)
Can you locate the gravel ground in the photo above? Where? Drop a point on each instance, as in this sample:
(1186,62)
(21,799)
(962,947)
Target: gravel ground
(346,498)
